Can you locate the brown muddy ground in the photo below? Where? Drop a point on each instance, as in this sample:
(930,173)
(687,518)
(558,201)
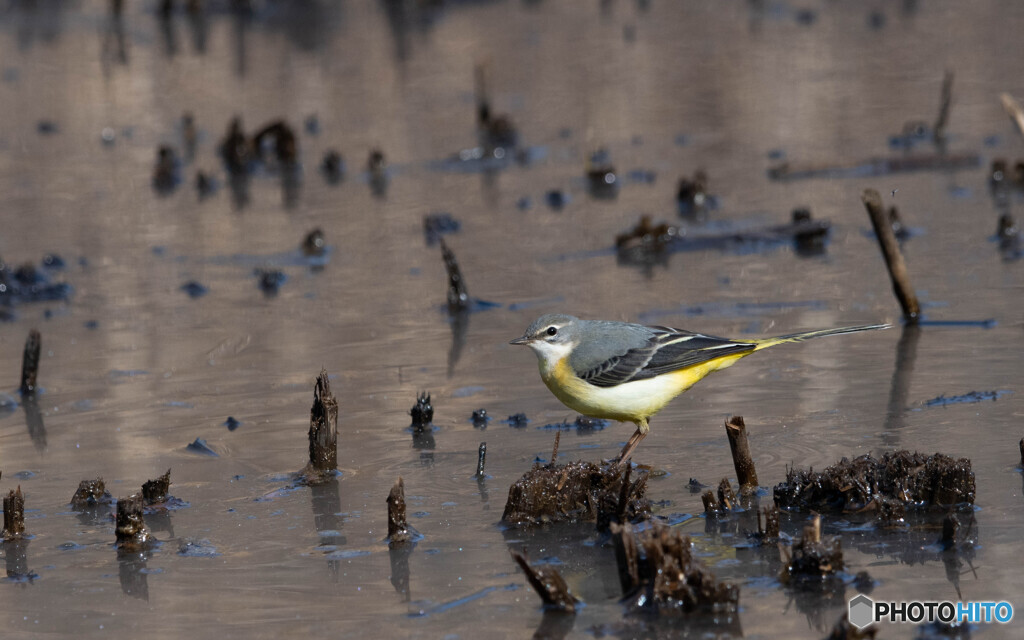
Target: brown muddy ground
(133,369)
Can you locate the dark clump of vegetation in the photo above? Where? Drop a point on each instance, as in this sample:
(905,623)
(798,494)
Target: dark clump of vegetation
(575,492)
(91,493)
(660,574)
(812,562)
(314,244)
(724,502)
(422,412)
(767,526)
(155,491)
(912,479)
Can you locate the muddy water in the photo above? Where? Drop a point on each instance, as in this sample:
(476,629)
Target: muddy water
(134,369)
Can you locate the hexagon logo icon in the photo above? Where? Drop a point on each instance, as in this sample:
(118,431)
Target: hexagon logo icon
(862,610)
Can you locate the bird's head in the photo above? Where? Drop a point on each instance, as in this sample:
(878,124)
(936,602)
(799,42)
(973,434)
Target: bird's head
(551,336)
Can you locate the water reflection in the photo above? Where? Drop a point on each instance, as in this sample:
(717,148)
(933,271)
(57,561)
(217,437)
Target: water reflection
(115,46)
(238,182)
(198,26)
(459,320)
(168,33)
(423,441)
(243,19)
(94,515)
(481,485)
(399,554)
(158,518)
(555,625)
(822,608)
(34,421)
(899,388)
(131,567)
(328,520)
(16,559)
(38,20)
(290,182)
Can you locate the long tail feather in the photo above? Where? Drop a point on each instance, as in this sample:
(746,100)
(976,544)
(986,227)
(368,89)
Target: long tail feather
(807,335)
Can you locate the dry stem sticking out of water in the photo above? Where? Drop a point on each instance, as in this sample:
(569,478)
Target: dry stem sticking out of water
(398,526)
(130,527)
(548,584)
(893,256)
(736,430)
(30,362)
(14,515)
(323,433)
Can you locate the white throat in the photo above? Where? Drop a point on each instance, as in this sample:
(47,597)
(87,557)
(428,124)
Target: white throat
(549,354)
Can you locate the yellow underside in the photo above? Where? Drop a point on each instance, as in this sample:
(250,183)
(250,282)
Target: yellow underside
(633,401)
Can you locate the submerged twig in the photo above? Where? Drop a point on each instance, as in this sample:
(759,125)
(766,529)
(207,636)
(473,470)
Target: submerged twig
(893,256)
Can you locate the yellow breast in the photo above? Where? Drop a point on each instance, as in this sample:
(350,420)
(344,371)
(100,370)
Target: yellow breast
(630,401)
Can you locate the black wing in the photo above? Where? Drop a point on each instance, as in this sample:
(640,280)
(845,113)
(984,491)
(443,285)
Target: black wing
(667,350)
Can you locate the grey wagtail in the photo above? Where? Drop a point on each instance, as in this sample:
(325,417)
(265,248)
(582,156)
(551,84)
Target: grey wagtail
(629,372)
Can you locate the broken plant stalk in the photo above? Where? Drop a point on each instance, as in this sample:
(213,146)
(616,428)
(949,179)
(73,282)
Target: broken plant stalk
(893,256)
(548,584)
(398,526)
(746,475)
(30,363)
(323,432)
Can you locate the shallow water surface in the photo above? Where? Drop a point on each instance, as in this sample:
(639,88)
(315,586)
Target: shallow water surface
(134,368)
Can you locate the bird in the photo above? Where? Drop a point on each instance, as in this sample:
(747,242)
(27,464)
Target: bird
(629,372)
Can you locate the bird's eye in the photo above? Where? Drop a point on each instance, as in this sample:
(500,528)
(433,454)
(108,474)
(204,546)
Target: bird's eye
(552,331)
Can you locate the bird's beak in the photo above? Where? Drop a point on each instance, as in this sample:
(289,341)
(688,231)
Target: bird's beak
(523,340)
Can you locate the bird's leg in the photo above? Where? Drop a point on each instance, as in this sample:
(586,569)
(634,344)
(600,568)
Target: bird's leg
(642,427)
